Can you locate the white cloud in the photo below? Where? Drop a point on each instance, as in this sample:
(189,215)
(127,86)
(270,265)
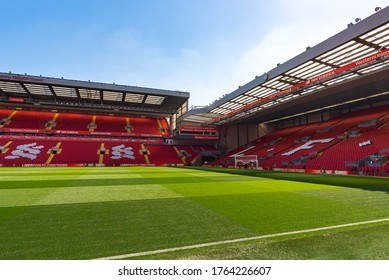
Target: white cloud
(219,65)
(303,23)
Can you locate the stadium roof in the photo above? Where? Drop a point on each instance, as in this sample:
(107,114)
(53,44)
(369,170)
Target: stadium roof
(43,92)
(348,67)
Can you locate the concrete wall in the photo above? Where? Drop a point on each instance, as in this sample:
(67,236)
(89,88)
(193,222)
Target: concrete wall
(232,136)
(241,134)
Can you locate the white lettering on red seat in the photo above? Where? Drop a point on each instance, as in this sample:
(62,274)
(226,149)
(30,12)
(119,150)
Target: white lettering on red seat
(30,151)
(121,151)
(307,146)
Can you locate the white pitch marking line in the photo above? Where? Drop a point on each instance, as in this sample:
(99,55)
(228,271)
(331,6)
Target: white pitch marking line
(196,246)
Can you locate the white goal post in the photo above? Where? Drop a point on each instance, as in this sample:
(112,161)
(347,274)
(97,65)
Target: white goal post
(245,161)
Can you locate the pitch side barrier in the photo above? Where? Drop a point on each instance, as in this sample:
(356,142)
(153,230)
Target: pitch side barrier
(42,151)
(330,74)
(297,170)
(88,165)
(75,138)
(83,133)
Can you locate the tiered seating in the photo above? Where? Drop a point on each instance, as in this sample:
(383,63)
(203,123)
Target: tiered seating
(24,151)
(351,150)
(321,146)
(26,119)
(32,150)
(55,150)
(160,154)
(75,123)
(149,126)
(188,153)
(53,138)
(122,153)
(277,154)
(375,171)
(110,123)
(77,153)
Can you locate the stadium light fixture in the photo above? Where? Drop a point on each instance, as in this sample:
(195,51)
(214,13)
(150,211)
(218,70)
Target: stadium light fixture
(377,9)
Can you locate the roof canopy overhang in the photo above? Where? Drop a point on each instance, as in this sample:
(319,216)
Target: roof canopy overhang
(62,93)
(349,59)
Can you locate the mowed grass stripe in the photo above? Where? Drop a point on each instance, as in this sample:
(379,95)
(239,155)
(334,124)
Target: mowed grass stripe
(92,230)
(70,195)
(223,242)
(267,213)
(128,210)
(53,177)
(355,196)
(363,242)
(105,180)
(361,182)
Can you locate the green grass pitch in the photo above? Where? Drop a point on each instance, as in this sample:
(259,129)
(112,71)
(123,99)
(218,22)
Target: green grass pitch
(87,213)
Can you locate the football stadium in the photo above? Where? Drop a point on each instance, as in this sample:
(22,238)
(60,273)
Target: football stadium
(293,165)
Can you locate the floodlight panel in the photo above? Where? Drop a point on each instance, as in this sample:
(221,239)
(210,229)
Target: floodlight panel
(12,87)
(38,89)
(154,100)
(89,93)
(112,95)
(134,98)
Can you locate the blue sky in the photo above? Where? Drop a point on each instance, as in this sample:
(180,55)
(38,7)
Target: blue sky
(206,47)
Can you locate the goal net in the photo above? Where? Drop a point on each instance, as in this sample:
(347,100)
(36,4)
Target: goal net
(246,161)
